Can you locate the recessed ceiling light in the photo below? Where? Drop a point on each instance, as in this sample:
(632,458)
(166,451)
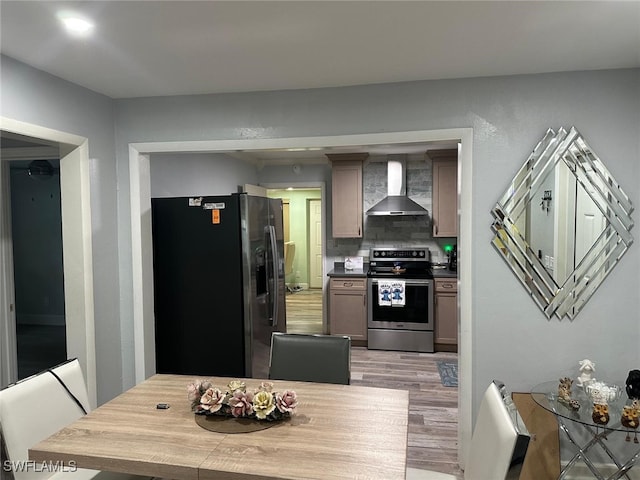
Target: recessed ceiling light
(76,24)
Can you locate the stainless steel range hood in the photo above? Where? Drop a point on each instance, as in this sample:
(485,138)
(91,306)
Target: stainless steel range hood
(396,202)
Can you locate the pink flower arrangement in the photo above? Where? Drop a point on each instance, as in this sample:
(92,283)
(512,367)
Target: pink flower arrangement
(263,403)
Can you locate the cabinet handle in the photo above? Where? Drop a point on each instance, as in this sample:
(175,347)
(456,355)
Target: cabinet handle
(347,284)
(446,285)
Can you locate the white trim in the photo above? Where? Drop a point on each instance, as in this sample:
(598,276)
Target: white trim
(142,267)
(141,238)
(8,344)
(65,140)
(77,248)
(465,283)
(77,252)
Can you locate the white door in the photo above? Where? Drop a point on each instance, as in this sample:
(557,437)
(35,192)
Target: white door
(315,243)
(590,223)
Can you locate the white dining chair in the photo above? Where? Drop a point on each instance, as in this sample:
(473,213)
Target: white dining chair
(36,408)
(498,445)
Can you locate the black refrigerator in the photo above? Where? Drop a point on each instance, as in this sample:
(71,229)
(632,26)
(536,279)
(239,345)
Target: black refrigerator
(219,292)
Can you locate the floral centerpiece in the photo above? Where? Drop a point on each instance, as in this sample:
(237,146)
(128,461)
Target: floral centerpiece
(235,401)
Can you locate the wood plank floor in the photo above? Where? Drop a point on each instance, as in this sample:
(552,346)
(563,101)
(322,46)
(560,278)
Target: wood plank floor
(433,408)
(304,311)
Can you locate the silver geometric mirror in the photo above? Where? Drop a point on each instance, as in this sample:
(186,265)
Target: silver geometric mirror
(563,223)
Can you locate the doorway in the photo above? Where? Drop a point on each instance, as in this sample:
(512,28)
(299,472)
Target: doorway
(302,219)
(73,152)
(139,168)
(36,228)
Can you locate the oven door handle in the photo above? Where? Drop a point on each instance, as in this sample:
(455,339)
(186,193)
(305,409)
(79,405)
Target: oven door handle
(411,282)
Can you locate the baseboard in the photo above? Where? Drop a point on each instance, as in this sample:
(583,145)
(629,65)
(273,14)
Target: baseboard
(581,472)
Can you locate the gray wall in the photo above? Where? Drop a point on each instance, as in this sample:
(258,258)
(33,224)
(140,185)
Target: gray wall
(32,96)
(181,175)
(512,339)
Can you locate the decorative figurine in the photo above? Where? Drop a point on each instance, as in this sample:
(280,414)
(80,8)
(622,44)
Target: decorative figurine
(587,367)
(633,385)
(564,394)
(630,417)
(600,414)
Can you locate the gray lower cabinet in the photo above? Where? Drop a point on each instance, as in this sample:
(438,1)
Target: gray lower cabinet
(446,314)
(348,308)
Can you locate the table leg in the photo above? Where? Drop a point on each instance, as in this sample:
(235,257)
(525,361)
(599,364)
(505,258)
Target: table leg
(608,451)
(582,453)
(626,467)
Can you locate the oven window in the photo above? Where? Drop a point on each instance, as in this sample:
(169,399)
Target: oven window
(415,310)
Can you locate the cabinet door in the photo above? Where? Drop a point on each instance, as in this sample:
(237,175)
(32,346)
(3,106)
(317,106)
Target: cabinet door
(346,194)
(446,313)
(346,204)
(348,314)
(445,198)
(348,307)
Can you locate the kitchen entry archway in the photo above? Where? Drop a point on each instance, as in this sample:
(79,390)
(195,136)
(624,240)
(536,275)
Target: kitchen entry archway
(142,265)
(77,252)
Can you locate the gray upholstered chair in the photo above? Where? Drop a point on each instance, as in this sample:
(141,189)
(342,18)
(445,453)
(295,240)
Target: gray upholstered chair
(37,407)
(310,358)
(498,445)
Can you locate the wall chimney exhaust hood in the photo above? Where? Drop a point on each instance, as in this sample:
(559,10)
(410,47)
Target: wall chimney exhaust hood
(396,202)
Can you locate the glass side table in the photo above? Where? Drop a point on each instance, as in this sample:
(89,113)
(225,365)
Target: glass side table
(570,419)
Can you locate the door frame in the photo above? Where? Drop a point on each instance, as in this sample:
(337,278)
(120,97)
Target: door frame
(309,238)
(75,206)
(142,265)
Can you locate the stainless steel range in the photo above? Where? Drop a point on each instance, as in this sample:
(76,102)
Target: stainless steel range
(400,300)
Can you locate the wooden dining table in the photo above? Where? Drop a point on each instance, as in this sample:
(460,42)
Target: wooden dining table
(337,431)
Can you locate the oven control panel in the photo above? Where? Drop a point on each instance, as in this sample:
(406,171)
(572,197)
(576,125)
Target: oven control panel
(399,254)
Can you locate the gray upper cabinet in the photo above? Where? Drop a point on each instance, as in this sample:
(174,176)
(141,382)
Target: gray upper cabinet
(445,193)
(346,194)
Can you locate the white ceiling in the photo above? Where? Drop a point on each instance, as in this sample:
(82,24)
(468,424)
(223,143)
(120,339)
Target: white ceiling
(158,48)
(149,48)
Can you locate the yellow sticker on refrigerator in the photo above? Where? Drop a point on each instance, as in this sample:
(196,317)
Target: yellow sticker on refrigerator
(215,216)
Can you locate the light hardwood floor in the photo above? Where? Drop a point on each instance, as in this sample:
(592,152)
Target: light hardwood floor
(304,311)
(433,408)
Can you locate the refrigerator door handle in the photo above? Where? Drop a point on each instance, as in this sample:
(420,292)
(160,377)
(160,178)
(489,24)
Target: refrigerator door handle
(273,292)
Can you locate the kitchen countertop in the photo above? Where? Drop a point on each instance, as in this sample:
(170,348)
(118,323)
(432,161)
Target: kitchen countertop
(444,273)
(339,271)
